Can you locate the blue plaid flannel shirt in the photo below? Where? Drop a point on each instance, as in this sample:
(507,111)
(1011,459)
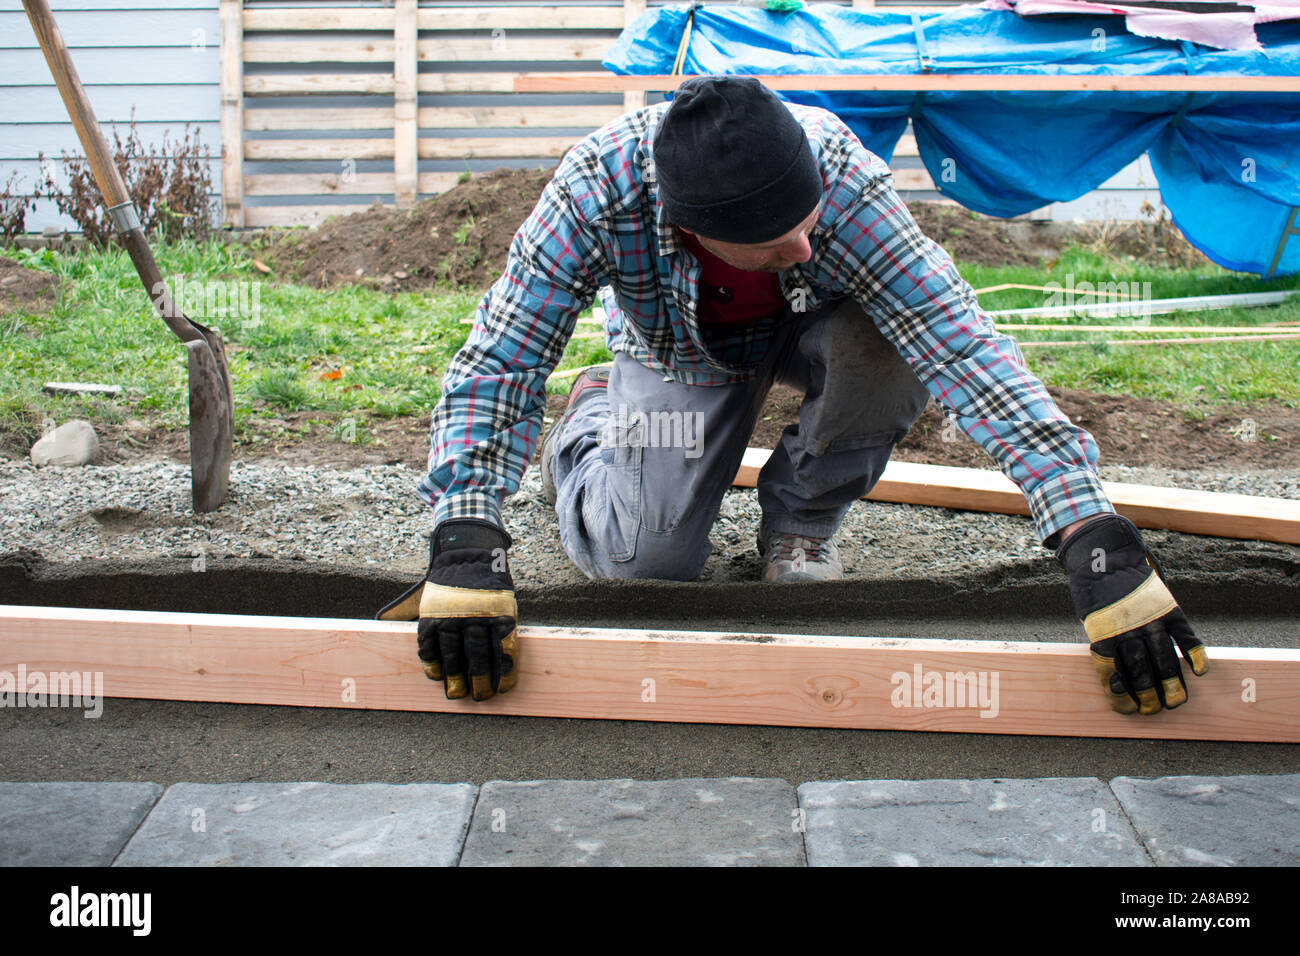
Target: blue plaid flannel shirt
(599,229)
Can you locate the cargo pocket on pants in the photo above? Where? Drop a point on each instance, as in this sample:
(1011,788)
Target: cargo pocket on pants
(614,518)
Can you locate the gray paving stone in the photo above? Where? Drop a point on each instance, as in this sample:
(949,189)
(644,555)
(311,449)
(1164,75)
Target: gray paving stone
(304,824)
(1249,820)
(1066,821)
(70,824)
(698,822)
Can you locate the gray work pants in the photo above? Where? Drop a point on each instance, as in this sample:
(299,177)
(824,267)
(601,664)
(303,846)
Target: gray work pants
(641,467)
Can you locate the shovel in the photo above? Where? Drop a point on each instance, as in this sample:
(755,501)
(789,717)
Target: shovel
(211,395)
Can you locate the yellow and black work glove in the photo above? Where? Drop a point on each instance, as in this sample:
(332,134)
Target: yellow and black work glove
(1131,618)
(466,607)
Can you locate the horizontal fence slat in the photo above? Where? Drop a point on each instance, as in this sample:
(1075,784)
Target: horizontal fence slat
(600,82)
(509,48)
(450,18)
(436,117)
(523,18)
(466,82)
(261,217)
(378,117)
(319,51)
(517,117)
(912,179)
(433,183)
(309,184)
(551,147)
(318,83)
(318,18)
(471,49)
(59,5)
(301,149)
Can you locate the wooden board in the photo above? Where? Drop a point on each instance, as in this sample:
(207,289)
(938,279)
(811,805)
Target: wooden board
(1198,340)
(1172,509)
(596,82)
(259,217)
(232,115)
(680,676)
(465,18)
(316,184)
(406,133)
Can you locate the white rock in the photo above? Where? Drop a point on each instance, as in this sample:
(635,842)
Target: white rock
(72,443)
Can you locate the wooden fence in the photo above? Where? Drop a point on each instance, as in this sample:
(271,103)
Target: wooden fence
(285,70)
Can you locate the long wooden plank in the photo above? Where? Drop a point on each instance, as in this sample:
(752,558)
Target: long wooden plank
(318,84)
(632,9)
(330,184)
(609,83)
(435,117)
(1198,340)
(406,133)
(232,115)
(258,217)
(573,17)
(504,46)
(557,17)
(551,147)
(376,50)
(255,149)
(501,47)
(1245,330)
(679,676)
(1145,307)
(1214,513)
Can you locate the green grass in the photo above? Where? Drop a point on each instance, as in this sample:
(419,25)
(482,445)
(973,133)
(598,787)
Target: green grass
(285,341)
(1194,375)
(280,338)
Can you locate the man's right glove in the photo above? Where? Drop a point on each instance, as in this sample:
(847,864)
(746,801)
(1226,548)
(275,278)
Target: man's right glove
(466,607)
(1130,617)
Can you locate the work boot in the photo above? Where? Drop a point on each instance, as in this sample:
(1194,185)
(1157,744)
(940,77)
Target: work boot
(588,380)
(795,558)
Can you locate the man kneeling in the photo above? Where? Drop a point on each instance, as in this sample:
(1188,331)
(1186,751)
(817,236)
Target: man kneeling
(737,241)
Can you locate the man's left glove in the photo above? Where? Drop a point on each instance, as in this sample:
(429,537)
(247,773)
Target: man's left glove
(466,607)
(1130,617)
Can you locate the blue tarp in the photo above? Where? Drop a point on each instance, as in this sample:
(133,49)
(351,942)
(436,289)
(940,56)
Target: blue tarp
(1226,162)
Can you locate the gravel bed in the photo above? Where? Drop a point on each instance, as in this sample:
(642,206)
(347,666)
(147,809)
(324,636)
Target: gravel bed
(372,516)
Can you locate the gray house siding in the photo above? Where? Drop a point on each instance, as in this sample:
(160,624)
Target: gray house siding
(158,58)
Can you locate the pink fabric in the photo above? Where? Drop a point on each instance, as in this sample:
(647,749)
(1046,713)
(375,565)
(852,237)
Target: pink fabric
(1227,31)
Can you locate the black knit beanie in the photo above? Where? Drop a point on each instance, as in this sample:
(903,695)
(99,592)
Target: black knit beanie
(732,163)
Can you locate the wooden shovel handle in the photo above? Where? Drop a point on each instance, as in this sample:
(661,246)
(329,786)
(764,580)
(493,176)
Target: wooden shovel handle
(74,98)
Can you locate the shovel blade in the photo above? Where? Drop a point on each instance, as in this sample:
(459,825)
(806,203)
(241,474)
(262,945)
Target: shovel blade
(212,442)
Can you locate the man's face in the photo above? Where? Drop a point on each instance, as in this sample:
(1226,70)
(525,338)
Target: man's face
(776,256)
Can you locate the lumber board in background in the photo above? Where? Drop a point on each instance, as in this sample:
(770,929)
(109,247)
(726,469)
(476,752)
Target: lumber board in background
(262,216)
(449,18)
(1210,513)
(232,115)
(598,82)
(406,132)
(676,676)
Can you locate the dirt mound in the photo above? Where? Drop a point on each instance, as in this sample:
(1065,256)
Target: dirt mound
(20,287)
(461,238)
(458,238)
(1128,431)
(970,237)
